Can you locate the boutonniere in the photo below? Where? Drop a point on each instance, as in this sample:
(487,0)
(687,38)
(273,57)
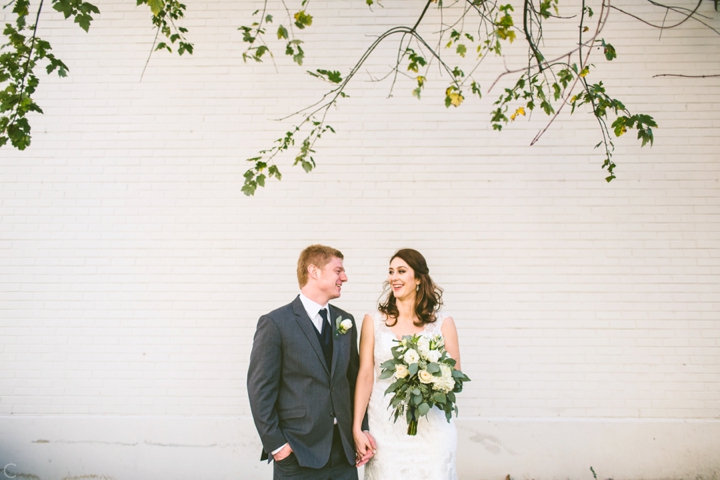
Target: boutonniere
(342,326)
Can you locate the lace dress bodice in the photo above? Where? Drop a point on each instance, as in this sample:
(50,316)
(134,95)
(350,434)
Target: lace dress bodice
(429,455)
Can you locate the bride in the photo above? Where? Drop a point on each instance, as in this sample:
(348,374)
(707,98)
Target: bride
(412,306)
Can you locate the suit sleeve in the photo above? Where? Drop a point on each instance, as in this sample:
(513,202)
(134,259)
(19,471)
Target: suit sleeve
(263,383)
(354,367)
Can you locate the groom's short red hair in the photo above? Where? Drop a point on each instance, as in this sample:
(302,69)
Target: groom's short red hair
(318,255)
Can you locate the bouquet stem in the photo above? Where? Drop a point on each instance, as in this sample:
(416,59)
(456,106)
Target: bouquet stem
(412,427)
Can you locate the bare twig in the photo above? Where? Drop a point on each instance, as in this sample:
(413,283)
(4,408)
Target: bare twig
(688,16)
(685,76)
(152,49)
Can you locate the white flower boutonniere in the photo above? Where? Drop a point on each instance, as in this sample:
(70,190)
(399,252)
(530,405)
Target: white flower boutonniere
(342,326)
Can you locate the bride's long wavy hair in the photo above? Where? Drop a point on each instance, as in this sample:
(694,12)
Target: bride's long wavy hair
(428,298)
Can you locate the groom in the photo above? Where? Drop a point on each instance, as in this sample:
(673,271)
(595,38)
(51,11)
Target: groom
(302,374)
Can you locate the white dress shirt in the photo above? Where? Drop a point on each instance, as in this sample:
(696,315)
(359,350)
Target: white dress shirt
(313,311)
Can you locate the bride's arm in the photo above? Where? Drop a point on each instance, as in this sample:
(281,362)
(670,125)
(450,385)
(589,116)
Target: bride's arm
(364,384)
(452,345)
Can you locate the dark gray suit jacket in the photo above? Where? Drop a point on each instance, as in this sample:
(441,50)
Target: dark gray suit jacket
(294,395)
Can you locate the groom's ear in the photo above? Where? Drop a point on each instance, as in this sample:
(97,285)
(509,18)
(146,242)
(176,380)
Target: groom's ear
(313,271)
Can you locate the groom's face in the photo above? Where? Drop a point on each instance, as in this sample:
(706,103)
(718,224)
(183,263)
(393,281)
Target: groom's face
(331,277)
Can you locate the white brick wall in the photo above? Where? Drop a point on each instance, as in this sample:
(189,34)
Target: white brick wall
(132,268)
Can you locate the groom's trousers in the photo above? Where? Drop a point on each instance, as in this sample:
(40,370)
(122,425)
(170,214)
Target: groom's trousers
(337,467)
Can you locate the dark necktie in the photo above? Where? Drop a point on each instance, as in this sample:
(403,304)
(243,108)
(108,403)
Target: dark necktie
(325,330)
(326,337)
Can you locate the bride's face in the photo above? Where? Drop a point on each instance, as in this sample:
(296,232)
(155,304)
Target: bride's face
(402,279)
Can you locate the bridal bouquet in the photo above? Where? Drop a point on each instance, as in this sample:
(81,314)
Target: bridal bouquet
(425,377)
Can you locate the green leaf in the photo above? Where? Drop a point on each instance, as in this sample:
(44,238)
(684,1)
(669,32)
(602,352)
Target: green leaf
(556,91)
(156,6)
(65,7)
(84,21)
(423,408)
(332,76)
(249,189)
(388,364)
(386,374)
(440,397)
(273,171)
(282,32)
(260,51)
(547,108)
(302,19)
(608,50)
(461,50)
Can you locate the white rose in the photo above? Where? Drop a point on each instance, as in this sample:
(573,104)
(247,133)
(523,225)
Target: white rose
(433,356)
(443,385)
(346,324)
(401,371)
(445,382)
(425,376)
(423,346)
(411,356)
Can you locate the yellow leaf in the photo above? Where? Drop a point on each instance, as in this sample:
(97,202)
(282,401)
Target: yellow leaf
(420,80)
(586,29)
(624,130)
(455,98)
(584,72)
(519,111)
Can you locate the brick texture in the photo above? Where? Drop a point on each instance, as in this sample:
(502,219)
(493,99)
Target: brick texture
(133,269)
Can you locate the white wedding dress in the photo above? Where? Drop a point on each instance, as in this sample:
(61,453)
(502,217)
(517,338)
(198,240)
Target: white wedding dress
(429,455)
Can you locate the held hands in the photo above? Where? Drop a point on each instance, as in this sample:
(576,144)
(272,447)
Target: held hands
(365,447)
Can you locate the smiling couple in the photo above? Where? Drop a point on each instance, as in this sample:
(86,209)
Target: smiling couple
(310,389)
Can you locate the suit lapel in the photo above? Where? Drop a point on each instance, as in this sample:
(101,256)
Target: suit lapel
(306,325)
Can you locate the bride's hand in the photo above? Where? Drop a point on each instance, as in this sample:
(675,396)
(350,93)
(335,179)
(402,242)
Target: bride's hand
(365,447)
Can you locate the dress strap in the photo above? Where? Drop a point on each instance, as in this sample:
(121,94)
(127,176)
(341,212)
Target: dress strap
(436,326)
(378,319)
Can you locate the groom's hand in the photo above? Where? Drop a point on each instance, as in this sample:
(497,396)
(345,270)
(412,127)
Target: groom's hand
(284,452)
(371,448)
